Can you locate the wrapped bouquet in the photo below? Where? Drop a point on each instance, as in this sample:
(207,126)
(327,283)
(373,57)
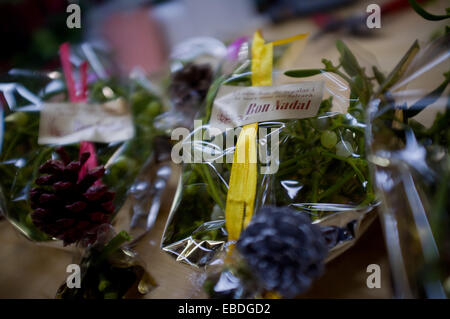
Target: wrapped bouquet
(279,168)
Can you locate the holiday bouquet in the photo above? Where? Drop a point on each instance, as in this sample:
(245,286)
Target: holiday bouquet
(110,120)
(109,271)
(284,195)
(408,135)
(73,149)
(77,208)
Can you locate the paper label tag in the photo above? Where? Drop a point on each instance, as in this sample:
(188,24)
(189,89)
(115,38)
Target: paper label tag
(65,123)
(236,105)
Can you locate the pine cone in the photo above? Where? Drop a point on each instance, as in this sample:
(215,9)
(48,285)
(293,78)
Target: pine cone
(190,85)
(67,208)
(285,251)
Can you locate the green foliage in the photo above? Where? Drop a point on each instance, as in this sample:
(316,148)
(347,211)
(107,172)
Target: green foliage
(310,169)
(21,155)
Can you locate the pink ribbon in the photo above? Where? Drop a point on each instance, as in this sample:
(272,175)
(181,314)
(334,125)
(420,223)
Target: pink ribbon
(234,47)
(78,96)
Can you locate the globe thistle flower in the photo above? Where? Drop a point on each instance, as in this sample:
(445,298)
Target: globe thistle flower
(283,249)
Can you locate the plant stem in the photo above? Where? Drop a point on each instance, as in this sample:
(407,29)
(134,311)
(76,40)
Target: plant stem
(336,187)
(210,185)
(113,245)
(315,186)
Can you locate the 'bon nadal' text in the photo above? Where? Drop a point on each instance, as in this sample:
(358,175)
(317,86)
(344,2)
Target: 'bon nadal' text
(254,108)
(236,106)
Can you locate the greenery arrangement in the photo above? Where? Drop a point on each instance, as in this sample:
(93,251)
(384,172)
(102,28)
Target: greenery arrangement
(322,159)
(21,154)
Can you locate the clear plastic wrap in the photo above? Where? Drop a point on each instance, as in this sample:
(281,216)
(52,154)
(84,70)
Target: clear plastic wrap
(408,139)
(193,66)
(24,94)
(321,171)
(109,271)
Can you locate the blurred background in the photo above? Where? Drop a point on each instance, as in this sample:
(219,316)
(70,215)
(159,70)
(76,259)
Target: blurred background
(146,34)
(143,33)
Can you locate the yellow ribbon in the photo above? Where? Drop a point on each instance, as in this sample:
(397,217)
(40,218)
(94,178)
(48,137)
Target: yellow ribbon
(243,178)
(242,185)
(297,37)
(262,60)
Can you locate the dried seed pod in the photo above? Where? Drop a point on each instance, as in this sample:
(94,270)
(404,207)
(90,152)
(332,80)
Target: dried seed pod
(190,85)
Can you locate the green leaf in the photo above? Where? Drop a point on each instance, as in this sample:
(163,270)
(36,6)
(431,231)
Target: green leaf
(303,73)
(210,96)
(428,99)
(360,89)
(113,245)
(328,64)
(379,76)
(359,83)
(348,60)
(400,68)
(425,14)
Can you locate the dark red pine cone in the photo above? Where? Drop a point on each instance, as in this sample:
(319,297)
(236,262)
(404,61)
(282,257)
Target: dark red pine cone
(67,208)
